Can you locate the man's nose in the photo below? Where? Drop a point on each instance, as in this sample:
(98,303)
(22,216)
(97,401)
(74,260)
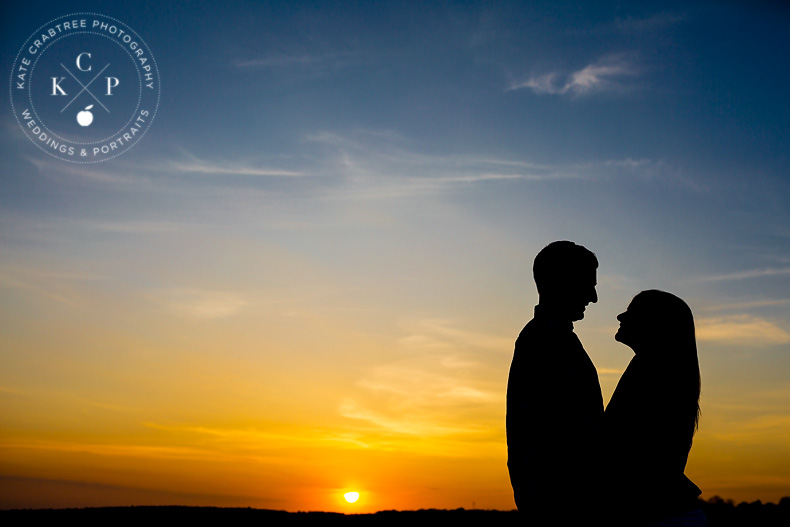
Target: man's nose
(594,297)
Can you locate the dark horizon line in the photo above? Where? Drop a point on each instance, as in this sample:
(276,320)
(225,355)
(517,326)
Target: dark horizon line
(712,501)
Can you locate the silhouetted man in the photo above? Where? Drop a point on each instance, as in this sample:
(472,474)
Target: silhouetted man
(554,403)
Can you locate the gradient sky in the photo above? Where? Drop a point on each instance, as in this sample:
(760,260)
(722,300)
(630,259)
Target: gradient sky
(308,276)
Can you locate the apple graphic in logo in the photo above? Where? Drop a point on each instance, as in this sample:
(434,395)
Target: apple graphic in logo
(85,118)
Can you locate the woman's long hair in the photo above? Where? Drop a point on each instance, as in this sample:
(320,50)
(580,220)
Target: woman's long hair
(674,346)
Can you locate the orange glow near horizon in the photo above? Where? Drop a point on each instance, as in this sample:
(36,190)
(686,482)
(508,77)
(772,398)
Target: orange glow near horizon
(152,426)
(168,417)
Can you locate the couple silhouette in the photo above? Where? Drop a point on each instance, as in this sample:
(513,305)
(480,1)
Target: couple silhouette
(573,463)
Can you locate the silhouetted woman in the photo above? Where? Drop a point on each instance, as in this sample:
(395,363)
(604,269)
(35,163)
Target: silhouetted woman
(653,414)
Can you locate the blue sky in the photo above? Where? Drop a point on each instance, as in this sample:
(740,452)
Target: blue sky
(353,195)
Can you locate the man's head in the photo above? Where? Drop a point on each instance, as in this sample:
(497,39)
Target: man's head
(565,274)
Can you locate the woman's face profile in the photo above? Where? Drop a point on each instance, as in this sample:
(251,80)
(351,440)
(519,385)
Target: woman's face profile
(633,324)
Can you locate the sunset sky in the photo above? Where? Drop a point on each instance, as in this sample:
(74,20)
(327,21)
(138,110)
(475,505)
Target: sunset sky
(308,276)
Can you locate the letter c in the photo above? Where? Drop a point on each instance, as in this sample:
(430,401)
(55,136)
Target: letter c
(79,67)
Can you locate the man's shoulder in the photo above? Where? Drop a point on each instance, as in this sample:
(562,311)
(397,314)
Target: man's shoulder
(535,346)
(548,342)
(535,332)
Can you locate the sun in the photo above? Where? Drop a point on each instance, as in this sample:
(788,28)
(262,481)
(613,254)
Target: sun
(351,497)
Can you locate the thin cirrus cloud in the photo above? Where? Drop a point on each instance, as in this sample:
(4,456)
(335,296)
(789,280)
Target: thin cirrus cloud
(53,169)
(651,23)
(413,385)
(439,334)
(750,305)
(252,440)
(753,431)
(745,275)
(135,227)
(188,164)
(741,330)
(606,74)
(402,425)
(432,390)
(61,286)
(201,304)
(117,450)
(197,166)
(381,165)
(365,165)
(319,61)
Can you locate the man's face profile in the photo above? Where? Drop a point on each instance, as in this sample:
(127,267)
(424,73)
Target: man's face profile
(566,276)
(583,294)
(574,294)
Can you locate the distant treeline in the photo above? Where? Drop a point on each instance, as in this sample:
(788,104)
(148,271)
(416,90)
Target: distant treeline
(720,512)
(725,513)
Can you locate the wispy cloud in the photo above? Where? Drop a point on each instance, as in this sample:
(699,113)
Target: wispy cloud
(438,333)
(135,227)
(300,60)
(744,330)
(117,450)
(374,165)
(361,165)
(95,173)
(745,275)
(244,441)
(131,175)
(750,305)
(415,425)
(754,431)
(438,390)
(418,385)
(650,23)
(63,287)
(606,74)
(194,165)
(200,303)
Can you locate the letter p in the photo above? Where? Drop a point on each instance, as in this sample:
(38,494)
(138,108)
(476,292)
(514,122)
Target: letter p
(112,82)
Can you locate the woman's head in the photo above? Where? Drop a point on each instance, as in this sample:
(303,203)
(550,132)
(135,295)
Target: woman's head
(657,320)
(659,327)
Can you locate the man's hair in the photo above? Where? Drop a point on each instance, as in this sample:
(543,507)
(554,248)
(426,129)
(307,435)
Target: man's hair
(561,262)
